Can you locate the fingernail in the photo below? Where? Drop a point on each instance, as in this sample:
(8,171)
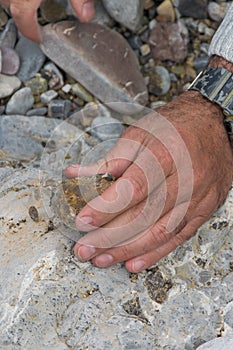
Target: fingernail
(86,220)
(104,260)
(88,10)
(85,252)
(138,265)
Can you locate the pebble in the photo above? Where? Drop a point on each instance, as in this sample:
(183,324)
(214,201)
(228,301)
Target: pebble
(38,85)
(145,50)
(59,109)
(106,128)
(53,11)
(81,92)
(37,111)
(128,13)
(9,35)
(217,11)
(3,17)
(107,66)
(8,84)
(166,11)
(200,63)
(193,8)
(48,96)
(66,88)
(157,104)
(56,75)
(10,60)
(169,41)
(160,81)
(31,58)
(20,102)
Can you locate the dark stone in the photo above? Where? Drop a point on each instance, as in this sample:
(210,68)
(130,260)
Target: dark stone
(193,8)
(107,66)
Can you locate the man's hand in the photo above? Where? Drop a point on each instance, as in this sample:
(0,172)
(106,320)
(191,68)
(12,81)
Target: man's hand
(24,13)
(173,171)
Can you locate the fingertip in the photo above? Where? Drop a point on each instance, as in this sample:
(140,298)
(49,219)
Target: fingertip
(88,11)
(71,171)
(84,9)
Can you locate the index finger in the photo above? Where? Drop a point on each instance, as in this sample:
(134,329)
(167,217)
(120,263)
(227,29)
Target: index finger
(24,14)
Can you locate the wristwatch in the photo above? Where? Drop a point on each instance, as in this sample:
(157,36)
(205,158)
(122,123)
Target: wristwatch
(216,84)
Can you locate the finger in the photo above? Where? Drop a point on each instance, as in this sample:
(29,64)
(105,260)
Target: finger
(138,229)
(115,162)
(137,182)
(24,14)
(5,3)
(157,235)
(146,260)
(84,9)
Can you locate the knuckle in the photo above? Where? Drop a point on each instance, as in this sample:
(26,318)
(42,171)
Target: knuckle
(160,234)
(139,187)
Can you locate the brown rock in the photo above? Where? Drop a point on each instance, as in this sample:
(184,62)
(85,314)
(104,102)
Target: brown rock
(168,42)
(98,58)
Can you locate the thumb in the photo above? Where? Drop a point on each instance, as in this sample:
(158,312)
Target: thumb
(84,9)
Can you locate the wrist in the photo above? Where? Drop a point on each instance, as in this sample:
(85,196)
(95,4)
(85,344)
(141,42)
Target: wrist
(220,62)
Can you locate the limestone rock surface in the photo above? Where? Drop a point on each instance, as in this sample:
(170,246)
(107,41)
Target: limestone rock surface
(49,300)
(97,57)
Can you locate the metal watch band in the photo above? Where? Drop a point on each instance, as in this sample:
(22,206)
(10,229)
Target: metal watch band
(216,84)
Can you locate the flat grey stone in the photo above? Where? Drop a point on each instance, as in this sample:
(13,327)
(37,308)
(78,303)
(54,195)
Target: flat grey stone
(107,66)
(128,13)
(59,109)
(31,58)
(37,111)
(48,96)
(20,102)
(224,343)
(8,84)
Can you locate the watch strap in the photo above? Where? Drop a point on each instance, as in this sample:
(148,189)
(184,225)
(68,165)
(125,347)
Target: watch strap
(216,84)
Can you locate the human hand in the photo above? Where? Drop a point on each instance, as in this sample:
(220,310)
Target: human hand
(24,14)
(172,173)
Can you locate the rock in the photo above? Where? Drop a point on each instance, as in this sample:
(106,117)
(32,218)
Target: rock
(108,68)
(20,102)
(217,11)
(101,15)
(56,79)
(48,96)
(9,35)
(31,58)
(49,298)
(193,8)
(223,343)
(38,85)
(160,81)
(3,17)
(145,50)
(10,60)
(66,88)
(59,109)
(106,128)
(79,91)
(166,11)
(169,41)
(8,84)
(200,63)
(53,11)
(37,111)
(127,13)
